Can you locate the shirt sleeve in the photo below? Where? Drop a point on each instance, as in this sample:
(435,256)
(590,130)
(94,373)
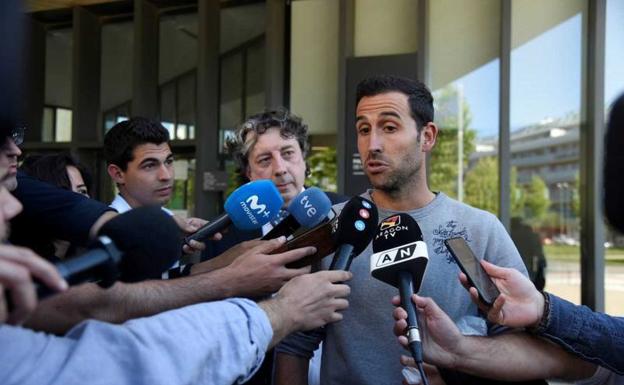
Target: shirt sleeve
(56,212)
(213,343)
(595,337)
(500,249)
(301,344)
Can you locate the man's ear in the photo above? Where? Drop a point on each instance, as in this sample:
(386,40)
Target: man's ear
(116,174)
(429,135)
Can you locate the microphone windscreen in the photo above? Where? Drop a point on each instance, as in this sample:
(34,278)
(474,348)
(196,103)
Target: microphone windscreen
(149,239)
(614,166)
(396,230)
(253,204)
(398,246)
(356,224)
(310,207)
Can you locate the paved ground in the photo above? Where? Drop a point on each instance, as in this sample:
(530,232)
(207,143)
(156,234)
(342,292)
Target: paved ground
(563,279)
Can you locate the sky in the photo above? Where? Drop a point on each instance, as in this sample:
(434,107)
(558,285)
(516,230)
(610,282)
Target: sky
(545,75)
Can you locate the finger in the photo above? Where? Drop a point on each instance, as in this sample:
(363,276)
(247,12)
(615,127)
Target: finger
(334,275)
(495,314)
(265,247)
(339,290)
(43,270)
(289,274)
(3,306)
(463,279)
(408,361)
(396,300)
(399,314)
(293,255)
(16,278)
(400,326)
(335,317)
(216,237)
(495,271)
(340,304)
(197,246)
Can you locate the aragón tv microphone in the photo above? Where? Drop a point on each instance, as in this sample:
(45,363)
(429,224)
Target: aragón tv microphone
(353,230)
(306,210)
(249,207)
(400,259)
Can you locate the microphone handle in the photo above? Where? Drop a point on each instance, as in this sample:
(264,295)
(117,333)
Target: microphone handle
(342,258)
(406,289)
(210,229)
(286,228)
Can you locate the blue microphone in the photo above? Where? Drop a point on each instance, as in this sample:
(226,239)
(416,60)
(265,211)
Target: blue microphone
(306,210)
(249,207)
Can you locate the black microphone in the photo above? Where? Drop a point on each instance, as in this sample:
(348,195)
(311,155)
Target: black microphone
(99,263)
(400,259)
(150,240)
(306,210)
(353,230)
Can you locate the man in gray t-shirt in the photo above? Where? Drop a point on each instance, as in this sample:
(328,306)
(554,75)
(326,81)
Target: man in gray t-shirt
(395,131)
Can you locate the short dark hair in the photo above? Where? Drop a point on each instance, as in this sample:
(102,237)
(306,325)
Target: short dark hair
(121,140)
(290,126)
(419,97)
(53,169)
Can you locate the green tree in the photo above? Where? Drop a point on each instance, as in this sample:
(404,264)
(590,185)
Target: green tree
(443,169)
(536,199)
(323,169)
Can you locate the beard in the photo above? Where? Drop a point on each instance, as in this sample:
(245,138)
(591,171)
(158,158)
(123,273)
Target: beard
(397,178)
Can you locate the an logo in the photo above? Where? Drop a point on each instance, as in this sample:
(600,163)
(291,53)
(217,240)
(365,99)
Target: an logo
(395,255)
(309,209)
(366,204)
(359,225)
(390,222)
(364,213)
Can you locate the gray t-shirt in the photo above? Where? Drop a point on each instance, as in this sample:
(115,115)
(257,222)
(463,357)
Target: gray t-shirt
(361,349)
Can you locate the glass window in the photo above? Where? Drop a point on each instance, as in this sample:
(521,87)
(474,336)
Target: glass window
(58,85)
(116,68)
(614,86)
(546,99)
(231,100)
(63,125)
(464,163)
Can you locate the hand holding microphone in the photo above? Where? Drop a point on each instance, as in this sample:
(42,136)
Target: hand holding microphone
(400,259)
(249,207)
(349,233)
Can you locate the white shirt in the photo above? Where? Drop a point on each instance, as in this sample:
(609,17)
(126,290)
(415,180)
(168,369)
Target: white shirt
(121,205)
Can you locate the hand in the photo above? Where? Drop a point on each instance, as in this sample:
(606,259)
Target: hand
(226,258)
(441,340)
(257,273)
(17,265)
(518,305)
(308,302)
(189,226)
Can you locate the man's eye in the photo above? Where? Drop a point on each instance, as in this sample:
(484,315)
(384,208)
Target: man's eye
(169,161)
(390,128)
(363,130)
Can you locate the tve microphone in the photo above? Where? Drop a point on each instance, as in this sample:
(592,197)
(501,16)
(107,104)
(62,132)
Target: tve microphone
(400,259)
(353,230)
(249,207)
(307,209)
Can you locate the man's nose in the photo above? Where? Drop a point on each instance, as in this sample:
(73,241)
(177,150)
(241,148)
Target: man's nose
(279,165)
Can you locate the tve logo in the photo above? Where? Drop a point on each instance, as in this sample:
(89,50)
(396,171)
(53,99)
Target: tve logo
(309,209)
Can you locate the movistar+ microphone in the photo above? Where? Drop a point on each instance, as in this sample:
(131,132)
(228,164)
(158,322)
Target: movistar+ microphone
(249,207)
